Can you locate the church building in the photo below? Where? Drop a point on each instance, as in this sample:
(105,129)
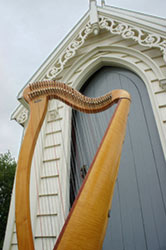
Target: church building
(109,48)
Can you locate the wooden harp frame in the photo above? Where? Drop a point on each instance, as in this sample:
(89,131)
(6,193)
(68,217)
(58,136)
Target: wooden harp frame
(86,224)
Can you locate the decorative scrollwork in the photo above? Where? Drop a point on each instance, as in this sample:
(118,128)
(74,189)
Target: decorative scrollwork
(58,66)
(23,116)
(127,31)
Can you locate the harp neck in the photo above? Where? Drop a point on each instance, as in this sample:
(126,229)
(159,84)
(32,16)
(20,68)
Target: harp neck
(70,96)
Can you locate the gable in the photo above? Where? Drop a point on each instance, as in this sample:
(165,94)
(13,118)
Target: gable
(144,30)
(110,37)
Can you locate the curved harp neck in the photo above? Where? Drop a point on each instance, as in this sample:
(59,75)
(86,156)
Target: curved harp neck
(72,97)
(37,95)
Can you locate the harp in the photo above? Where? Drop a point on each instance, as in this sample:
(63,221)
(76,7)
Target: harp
(86,223)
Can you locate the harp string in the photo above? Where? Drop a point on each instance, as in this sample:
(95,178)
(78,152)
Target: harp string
(44,189)
(36,165)
(92,135)
(55,155)
(65,171)
(74,175)
(49,191)
(79,158)
(78,154)
(59,185)
(56,246)
(90,131)
(52,189)
(44,207)
(43,201)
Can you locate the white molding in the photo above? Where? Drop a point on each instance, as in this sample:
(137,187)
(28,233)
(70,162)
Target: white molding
(152,23)
(143,37)
(114,27)
(98,52)
(68,53)
(126,31)
(95,59)
(94,19)
(56,53)
(55,63)
(51,69)
(23,116)
(93,12)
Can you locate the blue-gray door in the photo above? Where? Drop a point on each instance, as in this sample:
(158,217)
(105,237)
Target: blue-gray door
(138,214)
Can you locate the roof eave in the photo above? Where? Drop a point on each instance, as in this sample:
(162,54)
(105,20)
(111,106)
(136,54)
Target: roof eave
(56,52)
(152,23)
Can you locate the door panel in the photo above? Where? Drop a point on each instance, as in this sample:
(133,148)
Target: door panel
(138,214)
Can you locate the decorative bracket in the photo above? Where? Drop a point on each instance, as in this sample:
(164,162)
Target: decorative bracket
(23,116)
(102,3)
(94,20)
(162,84)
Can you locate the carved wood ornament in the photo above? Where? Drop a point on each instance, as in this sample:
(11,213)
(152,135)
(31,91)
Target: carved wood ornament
(143,37)
(86,223)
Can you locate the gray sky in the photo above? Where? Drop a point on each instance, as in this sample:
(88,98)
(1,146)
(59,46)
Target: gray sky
(30,30)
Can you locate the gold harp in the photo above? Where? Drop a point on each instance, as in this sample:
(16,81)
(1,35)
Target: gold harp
(86,223)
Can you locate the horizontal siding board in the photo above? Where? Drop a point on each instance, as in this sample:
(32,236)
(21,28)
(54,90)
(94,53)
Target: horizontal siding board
(50,185)
(161,98)
(53,139)
(50,168)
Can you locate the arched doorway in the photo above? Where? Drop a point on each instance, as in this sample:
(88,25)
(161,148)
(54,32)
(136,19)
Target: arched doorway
(138,214)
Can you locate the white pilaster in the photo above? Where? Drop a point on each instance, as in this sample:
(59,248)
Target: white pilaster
(102,3)
(94,20)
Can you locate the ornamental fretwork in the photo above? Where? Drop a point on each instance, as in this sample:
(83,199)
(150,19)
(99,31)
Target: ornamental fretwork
(130,32)
(23,116)
(141,36)
(58,66)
